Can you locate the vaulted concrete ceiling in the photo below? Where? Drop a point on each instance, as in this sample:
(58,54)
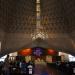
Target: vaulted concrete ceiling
(18,22)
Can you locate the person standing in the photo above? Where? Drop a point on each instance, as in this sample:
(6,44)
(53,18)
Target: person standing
(6,66)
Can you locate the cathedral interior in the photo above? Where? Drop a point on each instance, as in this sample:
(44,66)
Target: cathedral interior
(38,24)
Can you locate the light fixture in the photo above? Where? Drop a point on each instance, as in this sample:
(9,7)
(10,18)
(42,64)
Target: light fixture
(39,31)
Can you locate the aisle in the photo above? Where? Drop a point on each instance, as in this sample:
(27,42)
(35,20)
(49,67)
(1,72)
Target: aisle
(45,70)
(39,66)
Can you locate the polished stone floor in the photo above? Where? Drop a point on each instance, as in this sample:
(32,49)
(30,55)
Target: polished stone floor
(45,70)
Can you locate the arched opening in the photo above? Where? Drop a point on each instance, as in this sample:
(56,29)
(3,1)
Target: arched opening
(46,54)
